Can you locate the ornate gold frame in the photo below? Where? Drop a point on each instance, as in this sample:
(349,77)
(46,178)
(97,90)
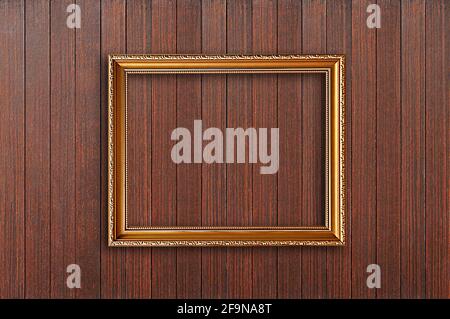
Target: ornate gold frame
(119,234)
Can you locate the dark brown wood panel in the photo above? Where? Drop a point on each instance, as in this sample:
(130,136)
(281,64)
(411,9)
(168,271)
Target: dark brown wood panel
(265,194)
(62,151)
(437,105)
(139,101)
(12,149)
(313,147)
(189,177)
(239,177)
(116,281)
(388,149)
(290,125)
(164,171)
(138,262)
(339,40)
(53,93)
(87,148)
(363,130)
(413,149)
(214,114)
(37,146)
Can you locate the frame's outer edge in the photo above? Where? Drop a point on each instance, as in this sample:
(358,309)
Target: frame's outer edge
(111,145)
(114,240)
(221,243)
(342,182)
(199,57)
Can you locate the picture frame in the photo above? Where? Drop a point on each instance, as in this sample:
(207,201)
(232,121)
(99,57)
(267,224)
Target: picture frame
(330,234)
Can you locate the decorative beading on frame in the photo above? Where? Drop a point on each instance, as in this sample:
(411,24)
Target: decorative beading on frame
(221,243)
(342,145)
(219,57)
(111,211)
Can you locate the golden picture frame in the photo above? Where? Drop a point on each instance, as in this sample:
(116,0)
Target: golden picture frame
(331,234)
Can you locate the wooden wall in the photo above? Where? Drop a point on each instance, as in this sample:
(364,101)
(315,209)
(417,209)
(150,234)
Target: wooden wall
(53,148)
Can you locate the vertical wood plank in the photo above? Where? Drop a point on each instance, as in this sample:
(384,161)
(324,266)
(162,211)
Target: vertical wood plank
(87,148)
(139,28)
(163,40)
(290,125)
(363,201)
(12,127)
(125,273)
(264,90)
(239,176)
(413,149)
(388,149)
(113,39)
(313,178)
(189,178)
(436,149)
(339,41)
(138,262)
(62,153)
(214,108)
(37,145)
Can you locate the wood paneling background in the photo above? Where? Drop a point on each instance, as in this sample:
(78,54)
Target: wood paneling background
(53,148)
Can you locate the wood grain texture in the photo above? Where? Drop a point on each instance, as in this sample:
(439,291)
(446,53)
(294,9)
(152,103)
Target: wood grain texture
(129,271)
(239,177)
(313,170)
(265,115)
(339,41)
(436,150)
(363,131)
(62,136)
(138,272)
(388,149)
(87,148)
(163,40)
(114,279)
(12,146)
(138,40)
(53,148)
(413,150)
(290,125)
(214,114)
(189,177)
(37,146)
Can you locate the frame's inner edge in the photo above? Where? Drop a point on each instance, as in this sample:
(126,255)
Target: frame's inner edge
(325,71)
